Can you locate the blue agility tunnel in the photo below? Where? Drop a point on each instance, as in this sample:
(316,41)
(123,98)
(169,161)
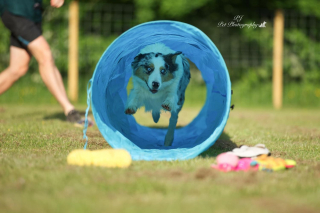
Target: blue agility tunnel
(108,93)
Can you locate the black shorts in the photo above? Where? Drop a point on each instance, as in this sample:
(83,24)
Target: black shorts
(23,31)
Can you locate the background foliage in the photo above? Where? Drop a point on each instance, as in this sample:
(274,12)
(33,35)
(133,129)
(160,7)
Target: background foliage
(247,52)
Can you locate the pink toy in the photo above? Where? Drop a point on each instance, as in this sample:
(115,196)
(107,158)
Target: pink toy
(226,162)
(244,165)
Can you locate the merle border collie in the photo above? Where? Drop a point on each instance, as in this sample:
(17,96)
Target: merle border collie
(160,78)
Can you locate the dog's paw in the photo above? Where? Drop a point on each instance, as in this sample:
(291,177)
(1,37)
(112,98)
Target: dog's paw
(167,105)
(130,110)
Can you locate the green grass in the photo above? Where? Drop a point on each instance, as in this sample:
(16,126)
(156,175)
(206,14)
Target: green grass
(34,175)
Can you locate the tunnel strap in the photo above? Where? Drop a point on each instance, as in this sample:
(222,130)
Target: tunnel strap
(89,92)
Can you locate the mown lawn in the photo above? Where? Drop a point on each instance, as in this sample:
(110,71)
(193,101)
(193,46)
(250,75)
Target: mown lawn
(34,175)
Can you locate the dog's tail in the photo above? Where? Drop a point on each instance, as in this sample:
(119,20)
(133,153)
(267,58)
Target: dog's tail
(155,116)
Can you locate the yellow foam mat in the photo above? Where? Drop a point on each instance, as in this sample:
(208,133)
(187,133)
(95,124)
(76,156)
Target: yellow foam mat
(111,158)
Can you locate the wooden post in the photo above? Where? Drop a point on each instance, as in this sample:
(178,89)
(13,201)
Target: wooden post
(73,73)
(277,59)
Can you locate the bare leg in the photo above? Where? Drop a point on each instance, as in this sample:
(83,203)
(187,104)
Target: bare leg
(19,63)
(60,81)
(40,49)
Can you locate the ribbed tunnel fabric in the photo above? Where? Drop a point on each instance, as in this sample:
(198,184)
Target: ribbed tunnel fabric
(109,94)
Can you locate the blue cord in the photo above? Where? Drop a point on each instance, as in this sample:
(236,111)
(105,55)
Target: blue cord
(89,90)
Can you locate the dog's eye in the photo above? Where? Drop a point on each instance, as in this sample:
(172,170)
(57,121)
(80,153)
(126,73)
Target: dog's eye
(163,71)
(149,69)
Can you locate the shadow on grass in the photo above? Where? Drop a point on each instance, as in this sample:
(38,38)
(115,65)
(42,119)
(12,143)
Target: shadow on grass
(223,144)
(61,116)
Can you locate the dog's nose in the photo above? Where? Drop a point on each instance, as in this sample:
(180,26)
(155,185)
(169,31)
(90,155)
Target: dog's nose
(155,85)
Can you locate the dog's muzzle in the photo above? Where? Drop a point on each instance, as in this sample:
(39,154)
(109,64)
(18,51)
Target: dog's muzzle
(153,91)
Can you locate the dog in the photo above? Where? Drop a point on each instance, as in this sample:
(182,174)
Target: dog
(160,78)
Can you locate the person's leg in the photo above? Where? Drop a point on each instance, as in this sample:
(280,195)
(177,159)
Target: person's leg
(40,49)
(18,66)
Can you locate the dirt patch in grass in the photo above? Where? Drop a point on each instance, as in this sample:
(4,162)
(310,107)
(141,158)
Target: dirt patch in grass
(280,206)
(95,139)
(69,134)
(278,154)
(248,178)
(177,174)
(262,118)
(317,169)
(166,174)
(94,134)
(241,179)
(304,130)
(2,110)
(98,144)
(204,173)
(304,162)
(201,174)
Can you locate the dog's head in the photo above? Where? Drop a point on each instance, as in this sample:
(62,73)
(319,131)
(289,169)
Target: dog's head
(154,69)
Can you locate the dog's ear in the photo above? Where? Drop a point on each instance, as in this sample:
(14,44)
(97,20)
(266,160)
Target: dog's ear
(174,56)
(136,60)
(138,57)
(170,60)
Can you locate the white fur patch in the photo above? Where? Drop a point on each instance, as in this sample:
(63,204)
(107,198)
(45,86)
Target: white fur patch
(157,47)
(156,75)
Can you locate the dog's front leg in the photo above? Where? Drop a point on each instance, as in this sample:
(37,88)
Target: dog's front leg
(133,102)
(172,125)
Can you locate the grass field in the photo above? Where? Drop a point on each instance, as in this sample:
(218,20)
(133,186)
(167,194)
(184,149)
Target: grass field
(34,176)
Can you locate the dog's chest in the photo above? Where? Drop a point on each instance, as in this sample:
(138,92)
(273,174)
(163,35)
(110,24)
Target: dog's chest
(154,101)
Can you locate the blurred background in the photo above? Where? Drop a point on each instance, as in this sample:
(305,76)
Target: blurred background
(248,53)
